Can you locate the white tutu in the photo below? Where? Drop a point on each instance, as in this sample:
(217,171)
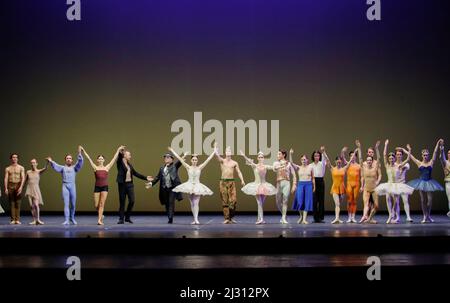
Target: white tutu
(255,188)
(394,189)
(193,189)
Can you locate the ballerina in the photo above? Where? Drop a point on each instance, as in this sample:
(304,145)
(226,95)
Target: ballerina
(305,188)
(33,192)
(193,187)
(101,180)
(353,181)
(425,184)
(446,166)
(259,188)
(393,189)
(370,178)
(338,189)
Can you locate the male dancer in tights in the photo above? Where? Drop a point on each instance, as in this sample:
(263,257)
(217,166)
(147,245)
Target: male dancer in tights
(284,170)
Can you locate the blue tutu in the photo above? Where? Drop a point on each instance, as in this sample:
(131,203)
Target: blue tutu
(303,200)
(425,183)
(430,185)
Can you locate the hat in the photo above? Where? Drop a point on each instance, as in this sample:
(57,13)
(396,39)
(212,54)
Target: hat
(168,155)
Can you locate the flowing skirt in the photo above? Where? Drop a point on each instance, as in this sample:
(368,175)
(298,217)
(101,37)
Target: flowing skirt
(264,188)
(430,185)
(193,189)
(34,191)
(390,188)
(303,199)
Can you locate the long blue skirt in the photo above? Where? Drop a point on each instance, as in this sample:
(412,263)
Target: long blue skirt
(303,199)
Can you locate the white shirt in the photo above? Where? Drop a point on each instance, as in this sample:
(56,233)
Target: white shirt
(319,169)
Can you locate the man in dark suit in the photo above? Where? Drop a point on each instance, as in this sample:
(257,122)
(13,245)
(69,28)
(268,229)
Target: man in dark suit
(168,179)
(125,173)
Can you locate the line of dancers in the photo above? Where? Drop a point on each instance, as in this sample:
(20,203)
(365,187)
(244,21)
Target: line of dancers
(305,181)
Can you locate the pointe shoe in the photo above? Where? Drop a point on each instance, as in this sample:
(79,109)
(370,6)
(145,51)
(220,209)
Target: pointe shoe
(409,220)
(197,222)
(372,221)
(233,221)
(33,222)
(18,223)
(39,222)
(193,223)
(226,222)
(354,220)
(305,222)
(389,220)
(300,220)
(258,222)
(349,220)
(363,220)
(336,221)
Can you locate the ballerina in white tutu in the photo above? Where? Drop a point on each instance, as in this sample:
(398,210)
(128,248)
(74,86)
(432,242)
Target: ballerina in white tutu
(193,187)
(392,189)
(259,188)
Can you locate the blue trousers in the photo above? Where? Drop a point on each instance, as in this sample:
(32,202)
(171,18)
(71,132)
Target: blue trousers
(69,193)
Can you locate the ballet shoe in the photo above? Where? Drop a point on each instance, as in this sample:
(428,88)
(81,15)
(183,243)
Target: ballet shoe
(12,222)
(39,222)
(258,222)
(33,222)
(197,222)
(305,222)
(283,221)
(74,222)
(226,222)
(396,221)
(349,220)
(389,220)
(233,221)
(66,222)
(409,220)
(336,221)
(99,223)
(430,219)
(372,221)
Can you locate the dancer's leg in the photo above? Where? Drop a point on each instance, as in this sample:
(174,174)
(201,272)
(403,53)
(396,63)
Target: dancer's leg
(260,201)
(101,206)
(33,209)
(396,209)
(375,207)
(424,206)
(429,204)
(337,208)
(286,187)
(195,200)
(73,202)
(389,208)
(66,199)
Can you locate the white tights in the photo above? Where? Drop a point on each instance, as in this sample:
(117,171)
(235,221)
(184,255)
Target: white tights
(195,206)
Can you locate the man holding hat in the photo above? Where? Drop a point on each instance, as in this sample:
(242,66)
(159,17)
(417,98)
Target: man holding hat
(168,179)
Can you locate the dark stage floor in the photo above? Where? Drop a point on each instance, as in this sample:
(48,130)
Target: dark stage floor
(155,226)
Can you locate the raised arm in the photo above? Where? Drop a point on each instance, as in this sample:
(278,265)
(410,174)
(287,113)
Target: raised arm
(178,157)
(114,159)
(377,150)
(218,157)
(409,153)
(407,158)
(379,174)
(42,170)
(351,159)
(80,160)
(386,143)
(343,152)
(442,156)
(324,160)
(248,161)
(201,166)
(89,158)
(325,156)
(56,167)
(295,166)
(436,149)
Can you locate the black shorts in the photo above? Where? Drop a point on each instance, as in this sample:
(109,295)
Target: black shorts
(99,189)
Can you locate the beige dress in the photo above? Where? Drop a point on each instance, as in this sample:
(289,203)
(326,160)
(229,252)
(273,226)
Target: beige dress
(33,189)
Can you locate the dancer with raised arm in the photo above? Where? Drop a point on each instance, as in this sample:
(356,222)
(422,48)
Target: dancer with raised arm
(370,178)
(14,181)
(168,179)
(33,191)
(338,189)
(227,185)
(193,187)
(303,199)
(284,171)
(260,188)
(125,174)
(425,184)
(393,189)
(69,189)
(319,165)
(101,172)
(353,181)
(446,166)
(400,177)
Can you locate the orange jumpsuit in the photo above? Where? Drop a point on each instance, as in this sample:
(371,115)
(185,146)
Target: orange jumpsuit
(337,175)
(353,185)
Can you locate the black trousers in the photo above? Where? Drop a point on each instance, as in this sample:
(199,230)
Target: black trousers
(318,200)
(168,199)
(126,190)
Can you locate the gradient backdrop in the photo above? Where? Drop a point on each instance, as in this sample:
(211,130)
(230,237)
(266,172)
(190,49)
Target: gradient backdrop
(128,69)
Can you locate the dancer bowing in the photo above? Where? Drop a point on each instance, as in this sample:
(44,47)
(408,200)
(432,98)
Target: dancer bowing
(227,185)
(101,180)
(303,199)
(33,191)
(446,166)
(338,189)
(425,184)
(193,187)
(393,189)
(259,188)
(69,189)
(284,170)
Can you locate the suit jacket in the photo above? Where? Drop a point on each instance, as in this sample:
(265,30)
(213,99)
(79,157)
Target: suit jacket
(122,171)
(174,179)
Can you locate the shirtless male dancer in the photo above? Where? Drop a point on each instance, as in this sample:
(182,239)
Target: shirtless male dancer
(14,181)
(227,186)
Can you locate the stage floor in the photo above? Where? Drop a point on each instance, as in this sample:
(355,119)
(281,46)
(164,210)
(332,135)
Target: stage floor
(155,226)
